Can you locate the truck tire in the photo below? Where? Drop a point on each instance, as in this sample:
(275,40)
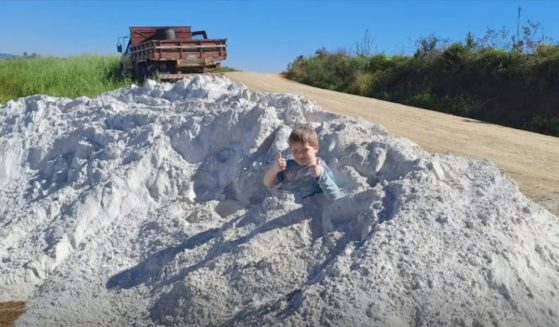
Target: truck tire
(141,73)
(153,72)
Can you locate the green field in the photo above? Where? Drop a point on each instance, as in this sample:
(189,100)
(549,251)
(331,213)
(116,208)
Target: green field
(86,75)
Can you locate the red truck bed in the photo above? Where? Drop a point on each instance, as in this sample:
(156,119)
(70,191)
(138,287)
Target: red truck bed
(187,53)
(142,34)
(171,51)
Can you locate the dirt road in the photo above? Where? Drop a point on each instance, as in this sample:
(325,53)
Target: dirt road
(9,311)
(531,159)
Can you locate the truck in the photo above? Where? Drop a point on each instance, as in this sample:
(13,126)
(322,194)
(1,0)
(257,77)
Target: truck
(168,52)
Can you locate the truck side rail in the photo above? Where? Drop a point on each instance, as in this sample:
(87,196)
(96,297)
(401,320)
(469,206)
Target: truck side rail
(209,49)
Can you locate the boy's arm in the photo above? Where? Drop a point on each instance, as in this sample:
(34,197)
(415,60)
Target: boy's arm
(270,177)
(328,184)
(279,165)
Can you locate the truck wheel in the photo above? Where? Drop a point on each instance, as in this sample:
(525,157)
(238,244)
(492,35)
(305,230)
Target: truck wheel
(153,72)
(141,74)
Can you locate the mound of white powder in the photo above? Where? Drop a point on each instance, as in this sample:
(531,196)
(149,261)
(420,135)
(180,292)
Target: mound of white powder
(146,206)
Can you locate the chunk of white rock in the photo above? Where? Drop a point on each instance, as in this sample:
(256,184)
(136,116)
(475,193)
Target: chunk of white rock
(435,167)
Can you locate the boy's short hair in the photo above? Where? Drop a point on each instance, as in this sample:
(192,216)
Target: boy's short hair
(303,134)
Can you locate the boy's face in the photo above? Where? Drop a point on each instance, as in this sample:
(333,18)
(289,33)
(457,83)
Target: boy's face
(303,154)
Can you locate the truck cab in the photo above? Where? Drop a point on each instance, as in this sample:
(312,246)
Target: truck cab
(125,59)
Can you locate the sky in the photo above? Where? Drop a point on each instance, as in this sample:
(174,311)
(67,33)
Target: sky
(262,36)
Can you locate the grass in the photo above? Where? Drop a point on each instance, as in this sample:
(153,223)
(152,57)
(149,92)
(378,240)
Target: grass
(71,77)
(225,69)
(87,75)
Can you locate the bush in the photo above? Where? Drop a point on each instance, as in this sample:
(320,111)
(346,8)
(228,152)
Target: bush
(502,86)
(364,83)
(542,124)
(455,57)
(225,69)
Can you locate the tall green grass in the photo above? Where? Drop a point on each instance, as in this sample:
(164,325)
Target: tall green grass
(225,69)
(71,77)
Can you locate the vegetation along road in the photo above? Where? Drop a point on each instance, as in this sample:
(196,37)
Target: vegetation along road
(531,159)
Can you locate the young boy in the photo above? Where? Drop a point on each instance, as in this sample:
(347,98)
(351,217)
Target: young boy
(305,175)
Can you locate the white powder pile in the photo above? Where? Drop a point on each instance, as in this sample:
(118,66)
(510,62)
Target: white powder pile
(146,206)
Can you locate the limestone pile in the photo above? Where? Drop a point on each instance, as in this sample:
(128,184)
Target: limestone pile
(145,206)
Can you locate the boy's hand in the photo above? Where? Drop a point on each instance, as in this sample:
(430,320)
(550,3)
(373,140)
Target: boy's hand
(281,163)
(315,169)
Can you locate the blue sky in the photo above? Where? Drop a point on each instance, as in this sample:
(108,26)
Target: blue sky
(263,36)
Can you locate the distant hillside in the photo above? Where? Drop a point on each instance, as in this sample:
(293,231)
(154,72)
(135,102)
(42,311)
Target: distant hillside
(6,56)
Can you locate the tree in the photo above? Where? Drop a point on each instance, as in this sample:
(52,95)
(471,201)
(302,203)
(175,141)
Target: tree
(495,39)
(470,41)
(364,47)
(429,45)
